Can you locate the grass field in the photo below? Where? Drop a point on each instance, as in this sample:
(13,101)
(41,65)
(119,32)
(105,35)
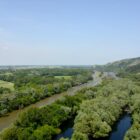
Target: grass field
(7,85)
(6,73)
(65,77)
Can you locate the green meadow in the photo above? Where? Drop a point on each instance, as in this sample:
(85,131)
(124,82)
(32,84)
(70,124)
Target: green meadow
(65,77)
(6,84)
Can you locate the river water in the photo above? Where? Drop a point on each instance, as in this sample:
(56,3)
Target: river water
(67,130)
(118,132)
(121,127)
(6,121)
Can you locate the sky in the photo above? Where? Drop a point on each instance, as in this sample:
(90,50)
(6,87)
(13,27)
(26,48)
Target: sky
(68,32)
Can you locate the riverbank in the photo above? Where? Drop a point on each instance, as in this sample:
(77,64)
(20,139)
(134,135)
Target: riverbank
(6,121)
(118,131)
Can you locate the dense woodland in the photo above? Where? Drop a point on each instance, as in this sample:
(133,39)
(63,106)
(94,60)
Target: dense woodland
(97,116)
(95,110)
(32,85)
(44,123)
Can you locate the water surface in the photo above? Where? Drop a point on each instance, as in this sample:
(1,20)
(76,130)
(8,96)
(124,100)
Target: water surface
(67,130)
(121,128)
(118,133)
(6,121)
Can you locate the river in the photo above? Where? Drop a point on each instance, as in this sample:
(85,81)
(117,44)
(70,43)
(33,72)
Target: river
(67,130)
(121,127)
(118,132)
(6,121)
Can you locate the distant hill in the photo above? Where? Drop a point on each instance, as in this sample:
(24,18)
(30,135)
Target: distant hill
(126,65)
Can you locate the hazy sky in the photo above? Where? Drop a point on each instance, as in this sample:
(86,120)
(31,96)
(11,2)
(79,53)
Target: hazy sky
(54,32)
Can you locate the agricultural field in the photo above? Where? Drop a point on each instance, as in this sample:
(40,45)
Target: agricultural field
(63,77)
(5,84)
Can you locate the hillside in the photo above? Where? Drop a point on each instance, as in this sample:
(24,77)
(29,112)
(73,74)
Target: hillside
(127,65)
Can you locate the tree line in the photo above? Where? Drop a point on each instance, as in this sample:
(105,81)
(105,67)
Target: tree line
(44,123)
(33,85)
(95,110)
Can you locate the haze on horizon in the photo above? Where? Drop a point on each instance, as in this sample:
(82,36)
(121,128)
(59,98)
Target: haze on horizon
(72,32)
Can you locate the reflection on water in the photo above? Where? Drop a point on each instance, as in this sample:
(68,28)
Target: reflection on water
(120,129)
(67,129)
(65,134)
(118,132)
